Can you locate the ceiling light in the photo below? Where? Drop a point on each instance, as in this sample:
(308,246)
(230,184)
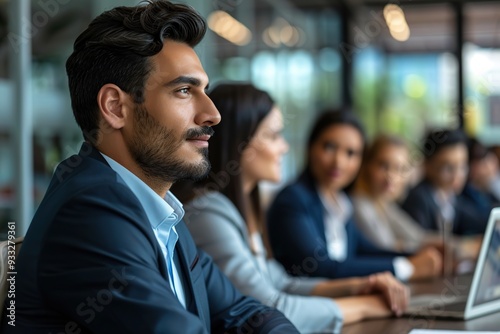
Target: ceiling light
(229,28)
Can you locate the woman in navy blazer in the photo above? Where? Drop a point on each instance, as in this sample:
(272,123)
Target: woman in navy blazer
(310,222)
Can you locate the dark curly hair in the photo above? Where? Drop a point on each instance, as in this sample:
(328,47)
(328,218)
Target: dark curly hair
(115,48)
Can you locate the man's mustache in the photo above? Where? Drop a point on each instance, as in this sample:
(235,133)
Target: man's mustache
(203,131)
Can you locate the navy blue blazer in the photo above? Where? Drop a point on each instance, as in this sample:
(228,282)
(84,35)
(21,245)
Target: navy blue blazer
(483,202)
(297,236)
(420,204)
(90,263)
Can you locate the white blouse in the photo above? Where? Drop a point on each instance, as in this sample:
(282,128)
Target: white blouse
(336,215)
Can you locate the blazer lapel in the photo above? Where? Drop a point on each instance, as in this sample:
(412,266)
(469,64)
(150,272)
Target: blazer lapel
(180,263)
(192,290)
(315,204)
(87,150)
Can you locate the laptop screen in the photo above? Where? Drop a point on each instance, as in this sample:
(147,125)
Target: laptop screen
(489,283)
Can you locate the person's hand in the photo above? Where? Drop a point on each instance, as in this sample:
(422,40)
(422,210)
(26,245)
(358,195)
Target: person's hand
(395,293)
(469,247)
(427,263)
(434,241)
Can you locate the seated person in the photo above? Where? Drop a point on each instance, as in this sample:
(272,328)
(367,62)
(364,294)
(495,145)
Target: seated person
(483,183)
(381,181)
(226,221)
(107,251)
(434,202)
(310,223)
(495,149)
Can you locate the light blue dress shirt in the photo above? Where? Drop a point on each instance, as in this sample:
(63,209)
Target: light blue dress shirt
(163,215)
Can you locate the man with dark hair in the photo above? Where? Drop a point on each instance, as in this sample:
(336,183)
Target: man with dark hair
(107,251)
(434,202)
(482,189)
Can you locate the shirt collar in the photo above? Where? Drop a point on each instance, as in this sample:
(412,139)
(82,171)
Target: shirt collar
(160,211)
(446,205)
(342,209)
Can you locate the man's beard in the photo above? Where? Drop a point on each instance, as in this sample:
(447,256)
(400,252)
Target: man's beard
(154,149)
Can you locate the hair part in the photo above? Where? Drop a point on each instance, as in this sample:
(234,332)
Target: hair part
(116,47)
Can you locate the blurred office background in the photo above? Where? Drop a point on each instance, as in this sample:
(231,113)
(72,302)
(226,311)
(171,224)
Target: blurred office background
(403,67)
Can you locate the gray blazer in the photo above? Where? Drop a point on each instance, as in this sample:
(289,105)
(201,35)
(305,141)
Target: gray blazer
(218,228)
(393,230)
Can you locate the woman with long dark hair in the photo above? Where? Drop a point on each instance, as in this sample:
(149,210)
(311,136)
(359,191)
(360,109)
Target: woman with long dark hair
(225,220)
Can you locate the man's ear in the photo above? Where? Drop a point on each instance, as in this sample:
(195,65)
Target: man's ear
(113,105)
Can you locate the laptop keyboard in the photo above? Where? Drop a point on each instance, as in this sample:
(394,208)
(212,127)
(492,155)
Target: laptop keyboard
(455,307)
(435,300)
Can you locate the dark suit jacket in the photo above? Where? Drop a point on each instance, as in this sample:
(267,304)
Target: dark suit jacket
(297,236)
(420,204)
(481,201)
(90,263)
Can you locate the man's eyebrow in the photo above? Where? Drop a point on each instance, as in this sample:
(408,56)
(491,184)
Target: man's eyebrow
(185,80)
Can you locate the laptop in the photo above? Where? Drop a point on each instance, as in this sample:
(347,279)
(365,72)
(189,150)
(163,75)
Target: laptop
(482,298)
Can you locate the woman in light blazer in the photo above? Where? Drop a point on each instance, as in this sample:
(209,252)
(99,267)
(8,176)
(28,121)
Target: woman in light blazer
(225,219)
(381,181)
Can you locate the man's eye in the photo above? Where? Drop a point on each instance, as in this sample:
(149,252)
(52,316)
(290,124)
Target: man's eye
(183,90)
